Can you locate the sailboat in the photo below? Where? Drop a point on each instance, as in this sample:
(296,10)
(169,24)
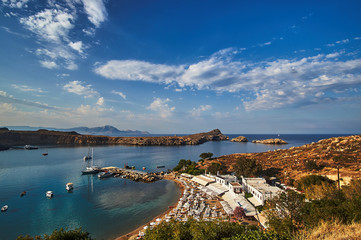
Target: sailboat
(91,169)
(88,157)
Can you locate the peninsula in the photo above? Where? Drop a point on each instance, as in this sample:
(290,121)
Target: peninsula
(10,138)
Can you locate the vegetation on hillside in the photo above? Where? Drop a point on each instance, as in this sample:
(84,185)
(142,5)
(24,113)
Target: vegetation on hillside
(62,234)
(246,167)
(188,166)
(289,213)
(204,230)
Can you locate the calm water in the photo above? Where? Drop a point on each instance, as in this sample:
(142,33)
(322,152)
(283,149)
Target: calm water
(105,208)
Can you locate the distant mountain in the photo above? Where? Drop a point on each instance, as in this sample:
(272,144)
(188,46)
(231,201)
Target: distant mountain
(105,130)
(108,130)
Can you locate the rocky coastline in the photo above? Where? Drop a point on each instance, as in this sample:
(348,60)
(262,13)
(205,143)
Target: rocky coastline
(270,141)
(9,138)
(239,139)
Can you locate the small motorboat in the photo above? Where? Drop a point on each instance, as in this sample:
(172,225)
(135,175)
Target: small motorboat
(144,168)
(105,174)
(49,194)
(45,154)
(30,147)
(4,208)
(23,194)
(161,166)
(69,187)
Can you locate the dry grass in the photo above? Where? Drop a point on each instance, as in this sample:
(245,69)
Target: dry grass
(333,231)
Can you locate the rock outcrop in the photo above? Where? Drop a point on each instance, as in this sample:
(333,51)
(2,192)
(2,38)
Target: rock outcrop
(239,139)
(45,137)
(270,141)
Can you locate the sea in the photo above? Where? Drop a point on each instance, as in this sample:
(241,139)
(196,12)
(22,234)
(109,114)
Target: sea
(106,208)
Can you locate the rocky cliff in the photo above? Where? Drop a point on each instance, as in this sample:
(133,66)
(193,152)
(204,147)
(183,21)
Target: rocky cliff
(45,137)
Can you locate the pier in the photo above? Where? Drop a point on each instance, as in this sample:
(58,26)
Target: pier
(134,175)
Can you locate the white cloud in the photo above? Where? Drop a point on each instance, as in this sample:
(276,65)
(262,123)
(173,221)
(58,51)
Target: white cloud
(139,71)
(70,65)
(96,11)
(333,55)
(50,24)
(265,44)
(100,101)
(198,111)
(268,84)
(80,88)
(120,94)
(77,46)
(15,3)
(49,64)
(161,106)
(25,88)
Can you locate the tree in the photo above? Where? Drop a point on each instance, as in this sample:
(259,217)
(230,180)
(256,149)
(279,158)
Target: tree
(62,234)
(309,180)
(216,167)
(239,213)
(246,167)
(206,155)
(284,212)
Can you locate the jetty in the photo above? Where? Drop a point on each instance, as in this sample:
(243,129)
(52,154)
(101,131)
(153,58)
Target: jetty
(134,175)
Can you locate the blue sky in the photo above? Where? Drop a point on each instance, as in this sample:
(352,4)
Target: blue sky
(182,66)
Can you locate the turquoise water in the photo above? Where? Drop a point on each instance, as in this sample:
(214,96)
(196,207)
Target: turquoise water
(106,208)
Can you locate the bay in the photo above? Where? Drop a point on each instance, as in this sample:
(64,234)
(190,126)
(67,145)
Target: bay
(106,208)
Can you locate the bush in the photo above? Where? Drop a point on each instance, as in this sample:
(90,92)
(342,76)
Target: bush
(62,234)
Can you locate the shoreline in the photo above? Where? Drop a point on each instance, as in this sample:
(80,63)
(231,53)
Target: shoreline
(134,233)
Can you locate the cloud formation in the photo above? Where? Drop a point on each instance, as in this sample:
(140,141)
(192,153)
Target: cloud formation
(268,84)
(198,111)
(161,106)
(96,11)
(119,94)
(80,88)
(15,3)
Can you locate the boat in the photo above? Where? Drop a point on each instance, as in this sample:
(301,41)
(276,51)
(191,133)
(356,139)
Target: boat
(105,174)
(88,156)
(29,147)
(91,169)
(4,208)
(161,166)
(69,186)
(144,168)
(45,154)
(49,194)
(23,194)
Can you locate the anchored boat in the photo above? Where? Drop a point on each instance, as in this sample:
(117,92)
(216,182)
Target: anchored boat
(49,194)
(4,208)
(69,186)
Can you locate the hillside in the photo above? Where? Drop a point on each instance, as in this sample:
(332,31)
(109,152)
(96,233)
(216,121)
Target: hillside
(293,163)
(45,137)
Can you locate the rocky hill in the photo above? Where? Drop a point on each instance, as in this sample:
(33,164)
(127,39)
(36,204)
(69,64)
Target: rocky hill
(323,157)
(45,137)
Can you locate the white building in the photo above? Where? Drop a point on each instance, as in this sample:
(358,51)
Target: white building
(260,190)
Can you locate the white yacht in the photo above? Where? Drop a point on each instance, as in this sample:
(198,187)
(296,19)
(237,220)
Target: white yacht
(49,194)
(69,186)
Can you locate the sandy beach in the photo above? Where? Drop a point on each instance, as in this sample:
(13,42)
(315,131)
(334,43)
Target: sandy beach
(133,234)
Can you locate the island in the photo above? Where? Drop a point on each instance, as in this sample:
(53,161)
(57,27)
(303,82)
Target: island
(239,139)
(10,138)
(270,141)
